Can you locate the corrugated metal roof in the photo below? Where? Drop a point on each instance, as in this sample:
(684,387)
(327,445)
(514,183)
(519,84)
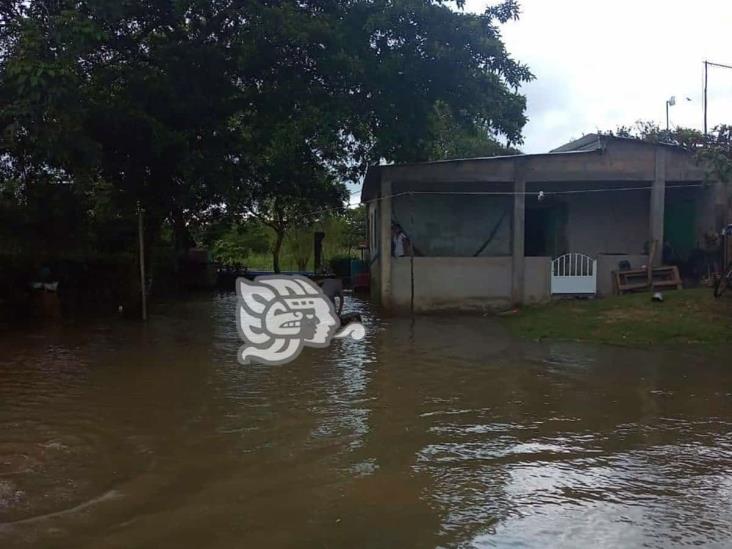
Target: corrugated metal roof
(594,141)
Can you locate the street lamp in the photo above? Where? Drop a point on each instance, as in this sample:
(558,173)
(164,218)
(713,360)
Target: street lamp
(670,102)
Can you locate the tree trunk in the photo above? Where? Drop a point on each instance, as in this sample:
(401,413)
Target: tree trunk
(182,239)
(276,249)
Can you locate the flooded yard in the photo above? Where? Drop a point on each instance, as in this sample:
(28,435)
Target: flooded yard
(434,431)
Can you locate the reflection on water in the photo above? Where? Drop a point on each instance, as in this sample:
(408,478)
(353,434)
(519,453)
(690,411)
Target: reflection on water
(438,431)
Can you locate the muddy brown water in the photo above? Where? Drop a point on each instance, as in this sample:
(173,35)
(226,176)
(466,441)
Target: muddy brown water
(438,431)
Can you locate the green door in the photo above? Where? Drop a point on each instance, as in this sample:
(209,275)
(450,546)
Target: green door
(678,227)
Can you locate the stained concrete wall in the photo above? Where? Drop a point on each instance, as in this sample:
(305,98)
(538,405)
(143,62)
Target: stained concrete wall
(607,222)
(607,263)
(465,283)
(456,225)
(710,209)
(537,279)
(443,283)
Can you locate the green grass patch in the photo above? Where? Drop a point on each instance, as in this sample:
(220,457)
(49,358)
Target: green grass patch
(684,317)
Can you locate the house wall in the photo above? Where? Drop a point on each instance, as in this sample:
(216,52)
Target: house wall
(611,227)
(456,225)
(710,210)
(607,263)
(447,229)
(451,283)
(607,222)
(537,279)
(466,283)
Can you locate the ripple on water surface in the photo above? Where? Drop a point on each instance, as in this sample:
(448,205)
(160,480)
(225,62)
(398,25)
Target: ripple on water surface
(435,431)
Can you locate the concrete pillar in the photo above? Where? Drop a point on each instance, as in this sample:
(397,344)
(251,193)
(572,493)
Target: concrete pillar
(374,243)
(519,211)
(721,210)
(385,243)
(658,203)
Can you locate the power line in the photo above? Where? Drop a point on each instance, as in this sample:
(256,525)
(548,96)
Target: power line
(540,194)
(533,193)
(722,65)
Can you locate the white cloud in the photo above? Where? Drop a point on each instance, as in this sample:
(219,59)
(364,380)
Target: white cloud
(603,64)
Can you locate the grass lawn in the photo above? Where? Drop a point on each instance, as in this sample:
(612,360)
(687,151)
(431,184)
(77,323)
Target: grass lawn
(684,317)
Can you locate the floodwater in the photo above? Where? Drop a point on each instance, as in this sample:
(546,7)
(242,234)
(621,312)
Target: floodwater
(438,431)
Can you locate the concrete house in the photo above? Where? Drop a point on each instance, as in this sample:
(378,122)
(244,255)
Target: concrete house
(488,232)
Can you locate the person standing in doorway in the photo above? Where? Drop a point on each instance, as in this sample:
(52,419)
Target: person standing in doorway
(399,241)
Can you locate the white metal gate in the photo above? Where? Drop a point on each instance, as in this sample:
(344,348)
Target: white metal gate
(574,273)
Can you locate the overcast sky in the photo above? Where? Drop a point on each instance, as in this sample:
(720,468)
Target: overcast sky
(600,64)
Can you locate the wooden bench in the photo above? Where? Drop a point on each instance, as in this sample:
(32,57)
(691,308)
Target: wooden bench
(640,279)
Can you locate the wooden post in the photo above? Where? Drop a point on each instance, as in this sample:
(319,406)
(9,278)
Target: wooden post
(141,238)
(318,237)
(519,212)
(651,260)
(411,259)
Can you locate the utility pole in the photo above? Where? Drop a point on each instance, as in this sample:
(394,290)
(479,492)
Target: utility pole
(706,77)
(707,64)
(141,238)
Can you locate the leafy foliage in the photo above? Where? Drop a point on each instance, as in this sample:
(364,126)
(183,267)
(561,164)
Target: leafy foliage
(257,109)
(299,243)
(452,138)
(244,243)
(235,243)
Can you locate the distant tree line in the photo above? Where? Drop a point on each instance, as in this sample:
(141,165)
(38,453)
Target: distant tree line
(250,243)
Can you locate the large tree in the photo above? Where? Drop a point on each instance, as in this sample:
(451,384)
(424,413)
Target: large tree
(339,85)
(137,94)
(256,107)
(369,74)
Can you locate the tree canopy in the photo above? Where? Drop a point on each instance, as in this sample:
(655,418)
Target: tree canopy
(259,108)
